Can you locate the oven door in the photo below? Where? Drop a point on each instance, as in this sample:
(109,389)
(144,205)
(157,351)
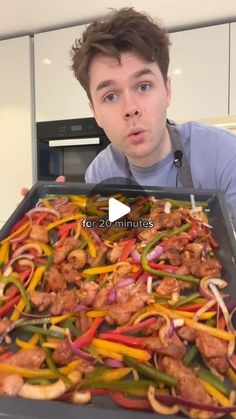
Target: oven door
(68,156)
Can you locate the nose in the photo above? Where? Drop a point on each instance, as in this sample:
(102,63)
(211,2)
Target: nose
(132,108)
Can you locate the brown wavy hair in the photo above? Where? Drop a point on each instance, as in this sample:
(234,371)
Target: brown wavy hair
(121,31)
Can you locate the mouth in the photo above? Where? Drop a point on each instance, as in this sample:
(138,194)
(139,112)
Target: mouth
(136,135)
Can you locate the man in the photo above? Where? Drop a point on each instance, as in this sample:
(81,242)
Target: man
(122,63)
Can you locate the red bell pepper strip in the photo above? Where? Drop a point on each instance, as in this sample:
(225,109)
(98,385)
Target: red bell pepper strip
(128,244)
(166,268)
(127,403)
(191,307)
(134,342)
(134,327)
(87,337)
(20,223)
(66,228)
(10,304)
(213,243)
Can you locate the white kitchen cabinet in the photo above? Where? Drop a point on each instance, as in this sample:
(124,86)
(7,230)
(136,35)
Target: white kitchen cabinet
(232,100)
(16,168)
(58,93)
(199,70)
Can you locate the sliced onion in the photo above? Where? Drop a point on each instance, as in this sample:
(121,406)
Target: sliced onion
(113,363)
(28,246)
(79,352)
(96,237)
(158,407)
(63,201)
(123,283)
(203,286)
(167,207)
(149,284)
(135,255)
(21,238)
(81,307)
(203,309)
(8,269)
(155,253)
(44,209)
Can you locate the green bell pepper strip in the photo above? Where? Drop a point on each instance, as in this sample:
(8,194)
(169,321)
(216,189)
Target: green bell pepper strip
(186,204)
(150,372)
(20,286)
(70,325)
(51,364)
(46,332)
(190,355)
(34,322)
(153,243)
(38,380)
(137,387)
(212,379)
(186,300)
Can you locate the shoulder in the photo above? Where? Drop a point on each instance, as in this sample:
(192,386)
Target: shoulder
(201,132)
(110,162)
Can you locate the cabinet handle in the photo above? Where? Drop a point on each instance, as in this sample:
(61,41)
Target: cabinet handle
(67,142)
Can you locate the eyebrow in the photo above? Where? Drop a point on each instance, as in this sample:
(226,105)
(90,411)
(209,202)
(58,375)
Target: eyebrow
(143,72)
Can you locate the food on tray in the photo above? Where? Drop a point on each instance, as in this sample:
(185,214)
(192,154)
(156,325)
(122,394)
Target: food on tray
(140,314)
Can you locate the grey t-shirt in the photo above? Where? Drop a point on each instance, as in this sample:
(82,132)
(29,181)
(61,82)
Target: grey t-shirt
(210,151)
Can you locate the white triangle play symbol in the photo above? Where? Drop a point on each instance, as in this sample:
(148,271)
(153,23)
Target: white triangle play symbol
(116,209)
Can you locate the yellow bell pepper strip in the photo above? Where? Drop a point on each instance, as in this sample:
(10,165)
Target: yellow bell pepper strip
(64,220)
(87,337)
(96,313)
(105,353)
(151,372)
(212,379)
(16,233)
(37,373)
(106,375)
(99,270)
(30,344)
(231,374)
(119,348)
(217,395)
(36,278)
(149,246)
(181,314)
(4,253)
(59,319)
(218,333)
(20,286)
(92,248)
(51,364)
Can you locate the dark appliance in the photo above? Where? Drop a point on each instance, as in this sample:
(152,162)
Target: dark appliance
(68,147)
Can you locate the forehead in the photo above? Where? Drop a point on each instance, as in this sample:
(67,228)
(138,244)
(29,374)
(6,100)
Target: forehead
(104,68)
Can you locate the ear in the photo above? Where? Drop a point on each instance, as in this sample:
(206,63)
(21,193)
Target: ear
(94,113)
(168,90)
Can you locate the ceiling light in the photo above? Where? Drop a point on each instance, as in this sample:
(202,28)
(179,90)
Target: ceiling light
(46,61)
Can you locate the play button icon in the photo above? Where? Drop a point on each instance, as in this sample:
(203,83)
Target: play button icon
(116,209)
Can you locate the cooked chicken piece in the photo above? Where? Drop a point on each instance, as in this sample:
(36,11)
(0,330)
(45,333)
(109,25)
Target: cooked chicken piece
(210,267)
(214,350)
(67,209)
(39,233)
(167,286)
(189,387)
(63,354)
(122,272)
(28,358)
(5,323)
(114,254)
(93,262)
(88,292)
(55,279)
(101,297)
(70,274)
(121,313)
(195,250)
(41,300)
(175,347)
(187,333)
(60,253)
(65,302)
(10,384)
(83,322)
(77,258)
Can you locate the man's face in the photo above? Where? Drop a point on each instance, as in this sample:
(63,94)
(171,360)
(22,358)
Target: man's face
(129,101)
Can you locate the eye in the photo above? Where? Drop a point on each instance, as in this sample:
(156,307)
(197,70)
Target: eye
(144,87)
(111,97)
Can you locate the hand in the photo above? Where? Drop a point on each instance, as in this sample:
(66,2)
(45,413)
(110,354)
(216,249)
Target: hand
(25,191)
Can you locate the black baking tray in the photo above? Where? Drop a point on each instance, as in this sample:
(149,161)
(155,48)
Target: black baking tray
(223,232)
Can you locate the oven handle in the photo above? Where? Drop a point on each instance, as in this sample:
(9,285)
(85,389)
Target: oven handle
(67,142)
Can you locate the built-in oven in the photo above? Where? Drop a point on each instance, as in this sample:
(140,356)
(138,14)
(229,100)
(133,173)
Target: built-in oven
(68,147)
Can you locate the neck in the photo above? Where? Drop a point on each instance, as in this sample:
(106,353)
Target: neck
(158,154)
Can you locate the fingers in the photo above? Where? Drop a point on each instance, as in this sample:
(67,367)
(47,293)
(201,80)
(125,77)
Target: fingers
(61,179)
(24,191)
